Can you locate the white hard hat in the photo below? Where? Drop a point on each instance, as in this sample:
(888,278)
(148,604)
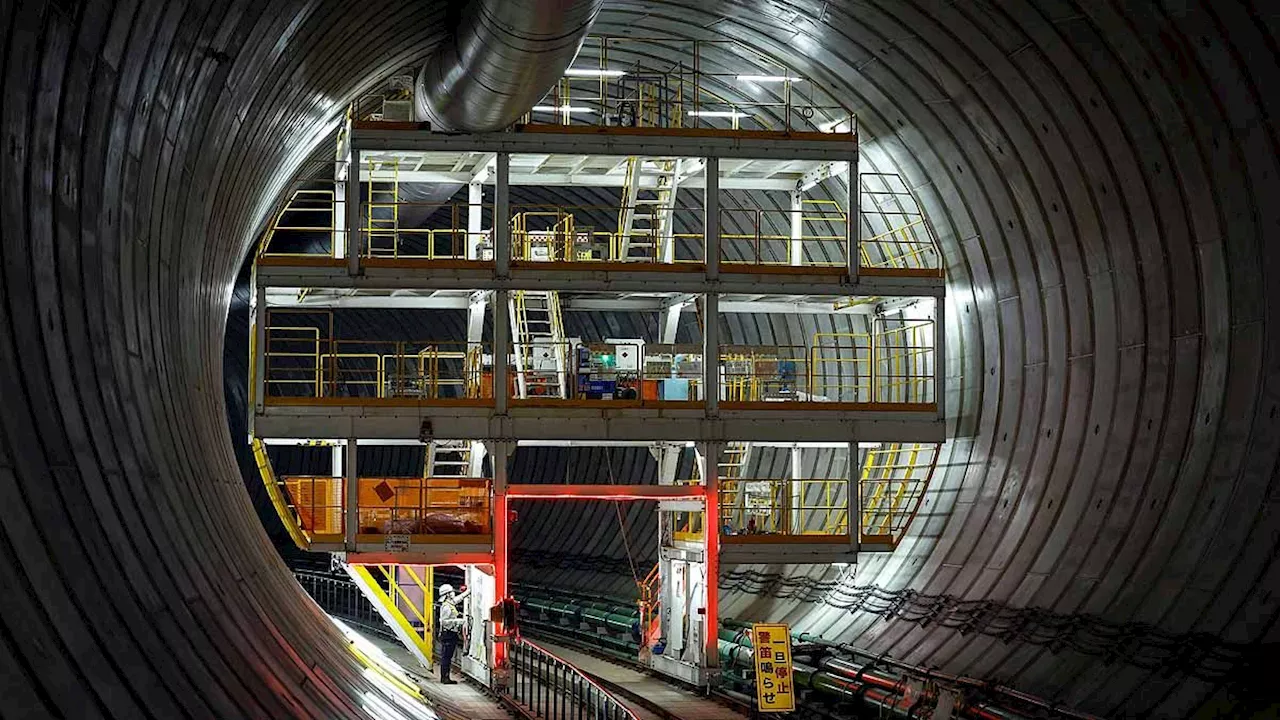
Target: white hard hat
(446,589)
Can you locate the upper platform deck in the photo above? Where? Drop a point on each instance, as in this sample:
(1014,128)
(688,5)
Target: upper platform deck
(692,213)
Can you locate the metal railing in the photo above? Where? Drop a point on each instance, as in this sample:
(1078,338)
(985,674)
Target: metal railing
(404,230)
(809,506)
(616,81)
(394,505)
(572,233)
(755,236)
(318,503)
(893,363)
(892,486)
(546,686)
(895,235)
(645,374)
(299,363)
(340,597)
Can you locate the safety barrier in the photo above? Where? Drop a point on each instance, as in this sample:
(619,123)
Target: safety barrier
(546,686)
(810,506)
(816,236)
(892,486)
(894,363)
(574,234)
(638,374)
(319,504)
(299,363)
(402,230)
(342,598)
(395,505)
(613,82)
(892,481)
(895,237)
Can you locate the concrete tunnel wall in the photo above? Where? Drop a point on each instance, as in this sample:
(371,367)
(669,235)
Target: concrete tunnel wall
(1103,183)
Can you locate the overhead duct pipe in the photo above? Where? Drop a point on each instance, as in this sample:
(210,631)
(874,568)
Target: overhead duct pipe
(503,57)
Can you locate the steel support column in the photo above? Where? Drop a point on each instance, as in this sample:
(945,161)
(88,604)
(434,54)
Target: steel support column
(851,226)
(499,452)
(711,352)
(501,351)
(475,198)
(711,535)
(711,221)
(355,244)
(351,497)
(502,216)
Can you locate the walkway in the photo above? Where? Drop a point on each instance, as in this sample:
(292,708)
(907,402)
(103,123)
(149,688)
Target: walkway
(464,701)
(676,702)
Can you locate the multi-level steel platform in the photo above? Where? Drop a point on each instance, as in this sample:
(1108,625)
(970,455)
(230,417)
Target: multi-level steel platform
(685,240)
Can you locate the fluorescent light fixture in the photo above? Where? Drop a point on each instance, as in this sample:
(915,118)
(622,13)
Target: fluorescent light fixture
(717,113)
(593,72)
(769,78)
(562,108)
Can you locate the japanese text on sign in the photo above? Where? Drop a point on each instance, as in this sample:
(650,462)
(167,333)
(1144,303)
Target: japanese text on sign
(775,690)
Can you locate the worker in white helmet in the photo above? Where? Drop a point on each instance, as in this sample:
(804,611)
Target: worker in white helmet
(451,623)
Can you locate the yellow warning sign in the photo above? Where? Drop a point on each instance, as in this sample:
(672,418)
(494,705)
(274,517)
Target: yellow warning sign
(775,688)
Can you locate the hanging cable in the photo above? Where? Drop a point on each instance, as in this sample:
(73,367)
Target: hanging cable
(626,539)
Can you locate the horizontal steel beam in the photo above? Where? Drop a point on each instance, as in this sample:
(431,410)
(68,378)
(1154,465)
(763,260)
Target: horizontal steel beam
(329,442)
(606,492)
(587,280)
(541,423)
(587,180)
(693,145)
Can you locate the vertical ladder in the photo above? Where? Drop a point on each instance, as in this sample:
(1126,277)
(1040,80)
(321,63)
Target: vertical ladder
(645,225)
(731,467)
(539,343)
(382,203)
(448,458)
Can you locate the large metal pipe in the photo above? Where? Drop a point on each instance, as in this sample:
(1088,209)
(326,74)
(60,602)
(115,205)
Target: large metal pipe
(502,58)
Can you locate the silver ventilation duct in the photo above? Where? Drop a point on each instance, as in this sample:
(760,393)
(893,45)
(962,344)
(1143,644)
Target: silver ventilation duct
(502,59)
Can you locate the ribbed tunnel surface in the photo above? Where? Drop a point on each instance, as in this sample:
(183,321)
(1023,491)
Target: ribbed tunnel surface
(1103,180)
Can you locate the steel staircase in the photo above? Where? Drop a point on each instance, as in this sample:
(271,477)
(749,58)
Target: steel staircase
(645,227)
(448,458)
(540,346)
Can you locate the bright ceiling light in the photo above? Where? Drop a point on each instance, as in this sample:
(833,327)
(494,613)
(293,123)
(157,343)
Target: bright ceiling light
(717,113)
(769,78)
(562,108)
(593,72)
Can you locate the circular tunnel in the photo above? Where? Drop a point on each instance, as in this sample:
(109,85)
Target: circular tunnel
(1101,178)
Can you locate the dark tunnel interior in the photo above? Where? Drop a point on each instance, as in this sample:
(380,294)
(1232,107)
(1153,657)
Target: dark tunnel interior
(1103,526)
